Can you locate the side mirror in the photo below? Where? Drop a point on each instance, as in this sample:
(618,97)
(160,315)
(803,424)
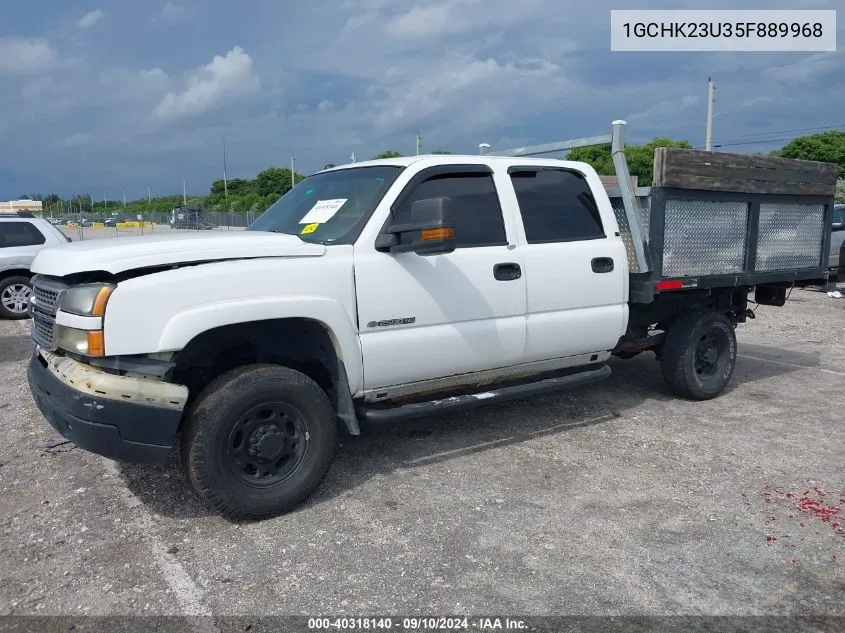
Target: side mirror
(431,230)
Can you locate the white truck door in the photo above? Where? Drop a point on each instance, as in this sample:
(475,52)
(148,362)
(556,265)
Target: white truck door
(426,317)
(575,263)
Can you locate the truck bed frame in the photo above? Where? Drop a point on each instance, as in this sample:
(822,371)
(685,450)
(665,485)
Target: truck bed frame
(717,220)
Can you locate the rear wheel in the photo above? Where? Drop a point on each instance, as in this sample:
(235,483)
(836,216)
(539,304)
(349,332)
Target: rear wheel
(699,355)
(258,440)
(14,297)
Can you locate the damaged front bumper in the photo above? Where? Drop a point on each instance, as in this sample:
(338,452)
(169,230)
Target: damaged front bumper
(120,417)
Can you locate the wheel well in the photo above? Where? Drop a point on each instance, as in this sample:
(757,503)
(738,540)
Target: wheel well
(668,307)
(301,344)
(15,272)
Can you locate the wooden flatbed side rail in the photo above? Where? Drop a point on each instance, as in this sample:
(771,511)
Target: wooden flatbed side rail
(717,171)
(612,182)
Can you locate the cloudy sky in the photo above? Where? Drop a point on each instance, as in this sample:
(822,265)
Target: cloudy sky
(107,96)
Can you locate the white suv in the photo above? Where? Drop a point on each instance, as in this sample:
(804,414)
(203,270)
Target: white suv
(22,235)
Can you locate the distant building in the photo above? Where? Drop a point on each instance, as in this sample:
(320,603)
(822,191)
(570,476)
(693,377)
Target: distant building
(34,206)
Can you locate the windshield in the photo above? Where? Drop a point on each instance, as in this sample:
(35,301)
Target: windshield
(329,206)
(839,214)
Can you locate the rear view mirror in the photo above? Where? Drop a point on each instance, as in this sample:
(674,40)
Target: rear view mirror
(431,230)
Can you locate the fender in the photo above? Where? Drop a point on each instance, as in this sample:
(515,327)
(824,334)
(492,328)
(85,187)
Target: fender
(185,325)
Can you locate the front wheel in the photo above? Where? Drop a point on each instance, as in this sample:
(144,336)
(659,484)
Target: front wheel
(14,297)
(699,355)
(258,440)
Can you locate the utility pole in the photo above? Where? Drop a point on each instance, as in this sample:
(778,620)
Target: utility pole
(352,157)
(225,182)
(149,197)
(184,193)
(124,200)
(292,172)
(419,143)
(708,142)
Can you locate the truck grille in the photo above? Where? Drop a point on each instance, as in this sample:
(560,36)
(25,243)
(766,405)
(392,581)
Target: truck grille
(46,298)
(43,305)
(42,332)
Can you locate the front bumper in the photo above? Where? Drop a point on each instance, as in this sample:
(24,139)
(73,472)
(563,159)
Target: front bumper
(122,418)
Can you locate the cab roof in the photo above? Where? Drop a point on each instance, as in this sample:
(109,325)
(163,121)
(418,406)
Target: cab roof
(448,159)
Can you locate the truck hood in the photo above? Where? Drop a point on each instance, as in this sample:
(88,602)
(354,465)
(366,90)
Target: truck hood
(119,254)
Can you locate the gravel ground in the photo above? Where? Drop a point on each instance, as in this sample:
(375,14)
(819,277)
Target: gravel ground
(610,500)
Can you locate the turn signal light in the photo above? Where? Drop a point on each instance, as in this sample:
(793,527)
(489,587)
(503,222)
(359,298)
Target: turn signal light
(437,234)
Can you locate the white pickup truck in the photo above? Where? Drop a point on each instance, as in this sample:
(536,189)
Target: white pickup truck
(401,287)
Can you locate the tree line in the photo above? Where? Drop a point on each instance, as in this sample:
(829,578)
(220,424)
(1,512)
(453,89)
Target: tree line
(240,195)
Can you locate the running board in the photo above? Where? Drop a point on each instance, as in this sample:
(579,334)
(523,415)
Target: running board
(382,415)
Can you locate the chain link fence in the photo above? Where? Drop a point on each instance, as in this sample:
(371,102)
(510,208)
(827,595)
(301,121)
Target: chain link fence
(79,227)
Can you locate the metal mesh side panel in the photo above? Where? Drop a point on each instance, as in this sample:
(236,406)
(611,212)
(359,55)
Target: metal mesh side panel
(790,236)
(704,237)
(643,205)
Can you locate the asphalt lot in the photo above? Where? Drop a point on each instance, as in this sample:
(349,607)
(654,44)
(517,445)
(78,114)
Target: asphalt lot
(610,500)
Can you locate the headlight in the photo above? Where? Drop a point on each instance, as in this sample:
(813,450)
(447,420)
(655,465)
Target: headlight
(84,342)
(86,299)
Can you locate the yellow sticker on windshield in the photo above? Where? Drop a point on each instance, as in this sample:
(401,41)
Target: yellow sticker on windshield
(309,228)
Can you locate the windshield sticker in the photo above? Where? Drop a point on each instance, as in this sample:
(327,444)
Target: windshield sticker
(309,228)
(323,211)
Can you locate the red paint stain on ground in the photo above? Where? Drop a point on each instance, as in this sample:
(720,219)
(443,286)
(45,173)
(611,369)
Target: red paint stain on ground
(813,506)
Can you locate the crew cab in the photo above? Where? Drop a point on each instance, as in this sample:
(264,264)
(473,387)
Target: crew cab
(403,287)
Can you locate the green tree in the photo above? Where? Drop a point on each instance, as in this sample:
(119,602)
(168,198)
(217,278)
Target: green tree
(388,154)
(827,147)
(273,180)
(640,158)
(840,190)
(441,151)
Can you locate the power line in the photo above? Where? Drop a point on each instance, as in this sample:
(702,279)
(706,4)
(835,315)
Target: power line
(802,129)
(760,141)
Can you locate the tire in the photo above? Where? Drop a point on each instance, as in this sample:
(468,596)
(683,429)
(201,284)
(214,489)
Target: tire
(231,450)
(699,355)
(14,297)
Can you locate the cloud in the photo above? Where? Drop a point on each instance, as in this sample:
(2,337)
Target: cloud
(77,139)
(26,55)
(90,19)
(807,68)
(223,80)
(665,108)
(755,101)
(338,76)
(452,17)
(171,12)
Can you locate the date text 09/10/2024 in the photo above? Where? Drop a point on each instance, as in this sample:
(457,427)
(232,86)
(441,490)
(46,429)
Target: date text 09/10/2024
(416,624)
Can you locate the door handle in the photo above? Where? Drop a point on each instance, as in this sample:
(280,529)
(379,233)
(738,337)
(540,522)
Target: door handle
(602,264)
(507,271)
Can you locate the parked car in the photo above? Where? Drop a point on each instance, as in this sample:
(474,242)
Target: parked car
(22,236)
(837,243)
(110,222)
(402,287)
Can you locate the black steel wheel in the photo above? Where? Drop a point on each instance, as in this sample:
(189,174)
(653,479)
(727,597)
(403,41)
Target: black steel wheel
(267,444)
(258,440)
(699,355)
